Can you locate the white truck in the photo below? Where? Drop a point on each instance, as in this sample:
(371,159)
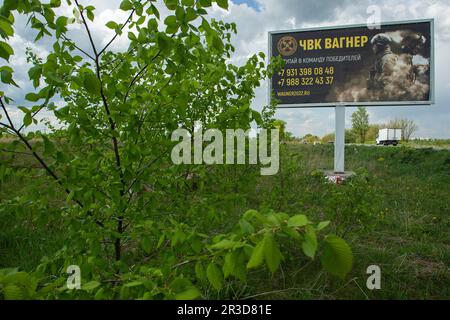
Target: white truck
(388,136)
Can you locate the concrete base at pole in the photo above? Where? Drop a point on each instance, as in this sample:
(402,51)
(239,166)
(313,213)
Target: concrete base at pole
(338,178)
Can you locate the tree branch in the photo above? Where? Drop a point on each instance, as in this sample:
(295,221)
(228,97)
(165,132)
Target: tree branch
(35,113)
(87,30)
(117,244)
(73,43)
(16,152)
(6,126)
(136,77)
(115,36)
(105,102)
(38,158)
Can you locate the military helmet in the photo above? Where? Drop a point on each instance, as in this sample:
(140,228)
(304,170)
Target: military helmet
(412,42)
(381,39)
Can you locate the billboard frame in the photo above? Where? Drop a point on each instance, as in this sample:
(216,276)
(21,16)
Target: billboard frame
(432,99)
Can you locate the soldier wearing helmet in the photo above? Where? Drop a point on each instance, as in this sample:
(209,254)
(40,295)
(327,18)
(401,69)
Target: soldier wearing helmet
(411,45)
(385,60)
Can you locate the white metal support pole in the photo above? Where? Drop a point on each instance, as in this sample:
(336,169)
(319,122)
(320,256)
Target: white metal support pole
(339,139)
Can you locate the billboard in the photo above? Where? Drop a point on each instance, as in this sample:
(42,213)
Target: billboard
(354,65)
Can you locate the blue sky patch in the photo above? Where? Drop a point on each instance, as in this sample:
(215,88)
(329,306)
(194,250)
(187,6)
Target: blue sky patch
(251,3)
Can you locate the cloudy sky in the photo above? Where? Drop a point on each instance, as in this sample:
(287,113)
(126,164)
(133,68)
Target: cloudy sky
(254,18)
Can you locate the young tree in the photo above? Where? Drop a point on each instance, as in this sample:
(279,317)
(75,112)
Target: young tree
(328,138)
(112,158)
(281,126)
(360,123)
(373,132)
(309,138)
(409,127)
(350,136)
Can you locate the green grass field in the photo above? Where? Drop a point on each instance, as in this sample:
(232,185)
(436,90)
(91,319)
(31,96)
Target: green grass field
(395,213)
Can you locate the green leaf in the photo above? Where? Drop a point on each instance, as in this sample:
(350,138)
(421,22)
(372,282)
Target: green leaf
(171,4)
(246,227)
(298,220)
(10,4)
(164,42)
(126,5)
(100,294)
(90,15)
(249,214)
(171,21)
(33,97)
(5,50)
(205,3)
(13,292)
(309,245)
(172,24)
(322,225)
(217,43)
(223,4)
(272,253)
(229,264)
(239,268)
(273,220)
(155,11)
(6,75)
(215,276)
(136,283)
(180,13)
(160,241)
(190,15)
(27,119)
(200,271)
(91,83)
(61,24)
(91,285)
(49,147)
(337,257)
(189,294)
(70,196)
(6,29)
(132,36)
(257,117)
(188,3)
(146,245)
(257,257)
(112,25)
(226,244)
(55,3)
(35,74)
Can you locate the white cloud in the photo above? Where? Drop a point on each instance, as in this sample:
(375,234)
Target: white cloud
(253,26)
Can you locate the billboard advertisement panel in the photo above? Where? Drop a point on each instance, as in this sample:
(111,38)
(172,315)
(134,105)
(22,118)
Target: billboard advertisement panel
(354,65)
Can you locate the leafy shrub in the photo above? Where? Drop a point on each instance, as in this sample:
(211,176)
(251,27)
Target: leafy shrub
(205,261)
(355,204)
(124,214)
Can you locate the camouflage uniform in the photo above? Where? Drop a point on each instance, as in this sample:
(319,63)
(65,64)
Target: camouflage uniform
(381,73)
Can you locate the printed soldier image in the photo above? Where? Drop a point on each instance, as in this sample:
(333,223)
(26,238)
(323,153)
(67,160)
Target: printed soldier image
(399,71)
(381,72)
(398,75)
(411,46)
